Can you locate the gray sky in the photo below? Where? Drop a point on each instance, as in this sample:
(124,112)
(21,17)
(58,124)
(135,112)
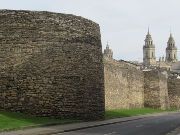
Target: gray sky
(123,23)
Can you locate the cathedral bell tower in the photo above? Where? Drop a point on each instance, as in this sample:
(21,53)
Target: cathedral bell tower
(171,50)
(149,58)
(108,53)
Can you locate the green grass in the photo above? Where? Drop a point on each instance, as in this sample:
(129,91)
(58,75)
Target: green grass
(11,121)
(130,112)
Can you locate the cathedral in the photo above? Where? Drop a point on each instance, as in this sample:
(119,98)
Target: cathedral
(108,53)
(149,58)
(169,62)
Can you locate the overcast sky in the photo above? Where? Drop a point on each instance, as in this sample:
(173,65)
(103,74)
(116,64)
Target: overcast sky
(123,23)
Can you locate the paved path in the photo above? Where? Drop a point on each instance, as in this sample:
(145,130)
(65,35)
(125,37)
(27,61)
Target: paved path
(153,124)
(158,125)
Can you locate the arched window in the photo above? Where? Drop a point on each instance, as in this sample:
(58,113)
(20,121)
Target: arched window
(152,54)
(174,56)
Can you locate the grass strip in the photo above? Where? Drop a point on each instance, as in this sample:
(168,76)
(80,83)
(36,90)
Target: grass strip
(11,121)
(118,113)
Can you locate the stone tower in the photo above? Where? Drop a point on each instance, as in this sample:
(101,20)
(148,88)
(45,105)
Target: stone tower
(149,58)
(171,50)
(108,53)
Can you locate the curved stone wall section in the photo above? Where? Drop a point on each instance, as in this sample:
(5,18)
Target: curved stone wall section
(51,65)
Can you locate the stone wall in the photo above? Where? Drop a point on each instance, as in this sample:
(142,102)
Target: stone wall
(174,92)
(155,90)
(127,87)
(51,65)
(124,85)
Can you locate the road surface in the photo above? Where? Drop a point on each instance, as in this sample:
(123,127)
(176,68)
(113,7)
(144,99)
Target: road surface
(155,125)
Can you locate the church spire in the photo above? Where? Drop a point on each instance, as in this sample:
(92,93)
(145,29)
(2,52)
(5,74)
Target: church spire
(171,50)
(148,31)
(149,57)
(108,53)
(107,45)
(148,40)
(171,41)
(171,35)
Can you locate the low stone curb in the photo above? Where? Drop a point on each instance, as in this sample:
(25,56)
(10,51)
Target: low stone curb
(117,120)
(63,128)
(52,130)
(95,125)
(175,132)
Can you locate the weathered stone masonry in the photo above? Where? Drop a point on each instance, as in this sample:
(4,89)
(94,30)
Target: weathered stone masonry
(155,90)
(127,87)
(124,85)
(174,92)
(51,65)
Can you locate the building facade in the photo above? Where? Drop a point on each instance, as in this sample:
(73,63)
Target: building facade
(149,58)
(171,50)
(168,62)
(108,53)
